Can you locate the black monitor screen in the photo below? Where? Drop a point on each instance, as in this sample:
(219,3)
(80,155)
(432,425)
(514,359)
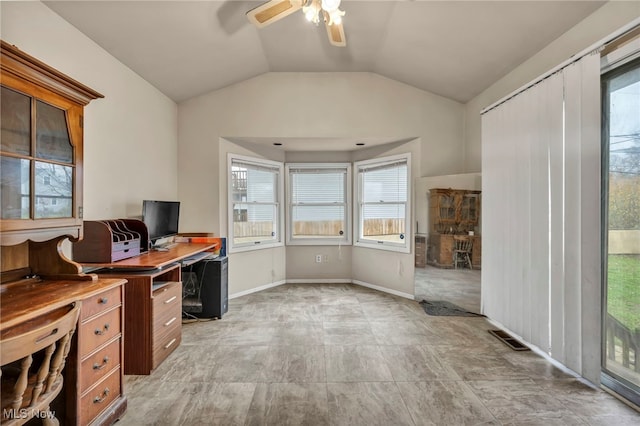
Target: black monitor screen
(161,218)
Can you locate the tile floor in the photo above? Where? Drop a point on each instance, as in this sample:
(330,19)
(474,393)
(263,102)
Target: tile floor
(339,354)
(458,286)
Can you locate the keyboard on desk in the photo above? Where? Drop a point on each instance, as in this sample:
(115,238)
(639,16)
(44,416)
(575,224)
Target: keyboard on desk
(163,247)
(197,257)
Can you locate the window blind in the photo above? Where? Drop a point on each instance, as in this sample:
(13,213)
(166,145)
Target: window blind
(254,201)
(383,197)
(318,203)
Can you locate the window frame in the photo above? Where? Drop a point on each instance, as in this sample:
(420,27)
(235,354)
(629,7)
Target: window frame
(320,241)
(279,193)
(358,240)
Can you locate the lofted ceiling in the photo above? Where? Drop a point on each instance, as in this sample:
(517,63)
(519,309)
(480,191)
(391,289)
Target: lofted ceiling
(455,49)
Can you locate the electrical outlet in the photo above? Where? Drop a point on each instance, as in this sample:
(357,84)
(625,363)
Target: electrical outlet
(318,258)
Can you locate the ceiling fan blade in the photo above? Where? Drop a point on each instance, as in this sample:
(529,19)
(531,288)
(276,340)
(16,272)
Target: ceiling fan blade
(336,34)
(272,11)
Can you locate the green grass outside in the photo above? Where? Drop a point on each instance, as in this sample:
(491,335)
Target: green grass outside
(623,294)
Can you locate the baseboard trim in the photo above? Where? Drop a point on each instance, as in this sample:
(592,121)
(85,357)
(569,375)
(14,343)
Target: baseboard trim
(383,289)
(560,366)
(257,289)
(322,281)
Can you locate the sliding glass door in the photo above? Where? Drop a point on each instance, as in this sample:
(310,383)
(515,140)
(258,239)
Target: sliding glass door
(621,208)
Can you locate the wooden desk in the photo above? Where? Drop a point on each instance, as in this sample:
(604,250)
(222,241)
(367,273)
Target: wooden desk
(157,259)
(153,293)
(101,300)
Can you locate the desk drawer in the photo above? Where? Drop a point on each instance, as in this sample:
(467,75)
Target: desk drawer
(99,330)
(100,397)
(99,365)
(166,299)
(101,302)
(163,345)
(168,321)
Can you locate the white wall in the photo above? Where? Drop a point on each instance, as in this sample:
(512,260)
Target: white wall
(256,268)
(335,266)
(595,27)
(341,105)
(130,136)
(336,260)
(309,105)
(390,270)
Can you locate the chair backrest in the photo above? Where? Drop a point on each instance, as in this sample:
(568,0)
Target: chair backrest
(32,356)
(462,244)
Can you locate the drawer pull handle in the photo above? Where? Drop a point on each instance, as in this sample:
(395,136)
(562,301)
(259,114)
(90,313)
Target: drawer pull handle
(168,323)
(170,300)
(99,332)
(100,399)
(49,334)
(97,366)
(168,345)
(103,300)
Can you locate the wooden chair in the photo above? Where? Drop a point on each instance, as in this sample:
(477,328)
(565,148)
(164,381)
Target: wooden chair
(462,251)
(33,356)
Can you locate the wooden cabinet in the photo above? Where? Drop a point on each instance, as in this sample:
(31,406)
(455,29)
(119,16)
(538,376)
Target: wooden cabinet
(453,211)
(441,250)
(93,365)
(41,149)
(153,318)
(41,153)
(95,378)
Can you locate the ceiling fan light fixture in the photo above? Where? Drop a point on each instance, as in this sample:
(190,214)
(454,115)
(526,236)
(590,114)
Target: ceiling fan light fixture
(335,17)
(330,5)
(327,9)
(312,11)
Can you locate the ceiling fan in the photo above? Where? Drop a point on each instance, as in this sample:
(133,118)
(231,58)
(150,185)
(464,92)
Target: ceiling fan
(314,10)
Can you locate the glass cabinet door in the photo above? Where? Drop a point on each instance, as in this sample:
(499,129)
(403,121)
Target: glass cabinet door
(41,150)
(469,208)
(38,168)
(15,137)
(447,208)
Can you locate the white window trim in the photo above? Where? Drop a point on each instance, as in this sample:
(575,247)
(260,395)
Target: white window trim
(357,227)
(278,242)
(346,238)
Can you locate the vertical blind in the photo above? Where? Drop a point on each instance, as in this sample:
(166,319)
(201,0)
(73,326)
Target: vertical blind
(541,241)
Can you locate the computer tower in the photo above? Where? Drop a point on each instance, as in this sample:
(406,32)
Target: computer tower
(211,300)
